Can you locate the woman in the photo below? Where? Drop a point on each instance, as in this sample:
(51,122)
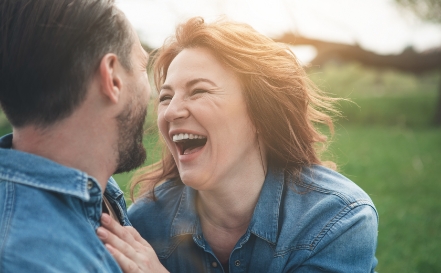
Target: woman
(241,187)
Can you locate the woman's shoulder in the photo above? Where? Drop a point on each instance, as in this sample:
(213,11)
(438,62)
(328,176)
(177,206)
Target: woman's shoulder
(164,194)
(323,194)
(146,211)
(330,184)
(153,218)
(322,211)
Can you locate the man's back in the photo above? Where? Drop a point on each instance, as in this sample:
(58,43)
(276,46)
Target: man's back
(74,87)
(49,214)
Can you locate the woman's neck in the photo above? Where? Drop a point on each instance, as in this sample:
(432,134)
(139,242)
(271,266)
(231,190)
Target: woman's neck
(229,209)
(225,213)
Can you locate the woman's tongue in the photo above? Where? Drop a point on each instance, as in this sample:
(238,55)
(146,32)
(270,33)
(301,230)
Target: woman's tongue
(192,146)
(191,150)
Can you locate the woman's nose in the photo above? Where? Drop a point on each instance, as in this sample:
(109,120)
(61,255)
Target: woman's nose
(176,109)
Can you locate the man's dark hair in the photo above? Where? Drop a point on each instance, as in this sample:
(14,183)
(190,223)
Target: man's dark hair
(50,49)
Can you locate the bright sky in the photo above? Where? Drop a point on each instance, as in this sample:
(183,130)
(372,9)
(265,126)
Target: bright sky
(376,25)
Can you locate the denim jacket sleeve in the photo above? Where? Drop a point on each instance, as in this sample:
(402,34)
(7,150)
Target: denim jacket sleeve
(346,244)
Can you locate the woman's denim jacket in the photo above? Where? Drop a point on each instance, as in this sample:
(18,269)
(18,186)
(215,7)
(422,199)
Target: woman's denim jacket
(321,223)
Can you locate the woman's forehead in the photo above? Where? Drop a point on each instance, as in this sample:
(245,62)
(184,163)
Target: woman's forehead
(193,63)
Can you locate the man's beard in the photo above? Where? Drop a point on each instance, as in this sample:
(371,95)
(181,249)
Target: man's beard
(131,151)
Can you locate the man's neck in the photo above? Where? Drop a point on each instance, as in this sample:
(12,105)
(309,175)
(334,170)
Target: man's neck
(82,147)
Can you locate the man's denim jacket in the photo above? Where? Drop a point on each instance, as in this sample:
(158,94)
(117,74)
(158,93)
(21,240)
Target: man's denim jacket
(321,223)
(49,214)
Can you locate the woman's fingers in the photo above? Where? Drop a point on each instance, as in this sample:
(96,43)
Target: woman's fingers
(126,233)
(115,228)
(126,264)
(130,250)
(127,249)
(137,236)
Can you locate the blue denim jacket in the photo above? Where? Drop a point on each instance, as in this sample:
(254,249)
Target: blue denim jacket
(49,214)
(323,223)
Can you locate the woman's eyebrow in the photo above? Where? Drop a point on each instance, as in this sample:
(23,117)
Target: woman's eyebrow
(194,81)
(189,83)
(166,86)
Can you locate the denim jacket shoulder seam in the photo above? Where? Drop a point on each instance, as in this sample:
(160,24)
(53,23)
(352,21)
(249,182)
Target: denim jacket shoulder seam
(312,186)
(311,247)
(335,220)
(344,197)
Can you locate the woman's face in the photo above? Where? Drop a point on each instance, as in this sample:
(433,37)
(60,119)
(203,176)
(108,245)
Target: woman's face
(203,118)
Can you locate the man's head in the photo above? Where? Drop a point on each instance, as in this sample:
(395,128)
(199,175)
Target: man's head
(49,51)
(130,121)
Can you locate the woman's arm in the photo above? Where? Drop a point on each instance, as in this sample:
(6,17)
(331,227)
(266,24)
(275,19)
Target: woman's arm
(130,250)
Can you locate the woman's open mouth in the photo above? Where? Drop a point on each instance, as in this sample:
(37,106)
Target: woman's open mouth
(189,143)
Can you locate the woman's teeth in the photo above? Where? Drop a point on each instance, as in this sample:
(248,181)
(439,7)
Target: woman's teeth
(180,137)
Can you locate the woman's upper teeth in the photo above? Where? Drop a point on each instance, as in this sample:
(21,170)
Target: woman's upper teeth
(179,137)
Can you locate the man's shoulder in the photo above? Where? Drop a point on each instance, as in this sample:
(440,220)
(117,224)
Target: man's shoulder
(45,231)
(39,172)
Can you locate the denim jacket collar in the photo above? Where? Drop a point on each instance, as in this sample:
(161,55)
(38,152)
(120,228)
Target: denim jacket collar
(42,173)
(264,223)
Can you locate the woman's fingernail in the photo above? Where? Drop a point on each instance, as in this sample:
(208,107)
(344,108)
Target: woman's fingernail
(105,218)
(101,232)
(110,249)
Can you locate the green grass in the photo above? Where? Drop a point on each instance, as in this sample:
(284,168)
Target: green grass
(5,128)
(400,169)
(409,110)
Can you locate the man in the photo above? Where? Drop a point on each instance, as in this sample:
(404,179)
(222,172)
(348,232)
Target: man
(74,86)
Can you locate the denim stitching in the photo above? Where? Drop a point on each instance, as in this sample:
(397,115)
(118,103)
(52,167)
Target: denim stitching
(325,229)
(6,218)
(26,180)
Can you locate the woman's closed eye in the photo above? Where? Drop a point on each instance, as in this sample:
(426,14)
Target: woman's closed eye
(198,91)
(163,98)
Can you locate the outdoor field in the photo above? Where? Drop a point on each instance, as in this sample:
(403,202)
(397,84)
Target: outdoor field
(386,143)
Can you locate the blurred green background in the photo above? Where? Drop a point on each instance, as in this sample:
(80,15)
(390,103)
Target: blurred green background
(386,143)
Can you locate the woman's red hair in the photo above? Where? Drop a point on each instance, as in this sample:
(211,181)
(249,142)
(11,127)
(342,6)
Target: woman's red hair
(283,104)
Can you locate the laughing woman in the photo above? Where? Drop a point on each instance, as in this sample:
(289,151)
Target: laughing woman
(241,187)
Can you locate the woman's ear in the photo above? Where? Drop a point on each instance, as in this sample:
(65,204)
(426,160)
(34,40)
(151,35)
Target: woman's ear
(110,78)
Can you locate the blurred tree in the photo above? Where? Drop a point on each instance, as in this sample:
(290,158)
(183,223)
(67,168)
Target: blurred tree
(408,61)
(427,10)
(430,11)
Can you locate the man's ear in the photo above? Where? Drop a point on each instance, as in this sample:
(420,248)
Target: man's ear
(110,78)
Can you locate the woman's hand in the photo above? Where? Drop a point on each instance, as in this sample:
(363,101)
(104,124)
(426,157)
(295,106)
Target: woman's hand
(130,250)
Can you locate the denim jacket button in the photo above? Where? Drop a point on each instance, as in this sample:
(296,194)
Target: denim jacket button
(214,264)
(89,185)
(237,263)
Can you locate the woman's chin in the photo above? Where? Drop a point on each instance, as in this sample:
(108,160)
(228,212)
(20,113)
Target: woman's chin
(194,180)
